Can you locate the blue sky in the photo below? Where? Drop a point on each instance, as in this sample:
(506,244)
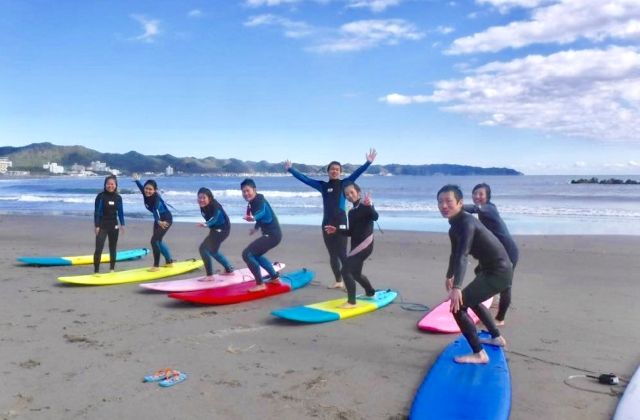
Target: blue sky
(542,86)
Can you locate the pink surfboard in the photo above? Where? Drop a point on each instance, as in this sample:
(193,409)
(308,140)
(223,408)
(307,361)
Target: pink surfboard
(191,284)
(440,320)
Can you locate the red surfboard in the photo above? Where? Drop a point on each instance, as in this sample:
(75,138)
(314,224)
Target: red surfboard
(237,293)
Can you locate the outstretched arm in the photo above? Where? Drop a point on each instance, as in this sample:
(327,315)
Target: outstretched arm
(313,183)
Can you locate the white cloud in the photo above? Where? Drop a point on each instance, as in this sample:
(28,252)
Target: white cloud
(260,3)
(445,29)
(292,29)
(365,34)
(397,99)
(375,6)
(580,164)
(195,13)
(561,23)
(505,5)
(150,28)
(634,163)
(589,93)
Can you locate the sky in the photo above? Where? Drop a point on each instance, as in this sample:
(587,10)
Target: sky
(541,86)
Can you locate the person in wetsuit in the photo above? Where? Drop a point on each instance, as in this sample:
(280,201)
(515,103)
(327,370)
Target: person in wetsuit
(493,275)
(490,218)
(108,212)
(260,212)
(162,220)
(217,221)
(333,202)
(361,218)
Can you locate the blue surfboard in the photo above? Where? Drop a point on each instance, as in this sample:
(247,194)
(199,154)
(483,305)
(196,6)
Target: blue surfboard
(330,310)
(464,391)
(129,254)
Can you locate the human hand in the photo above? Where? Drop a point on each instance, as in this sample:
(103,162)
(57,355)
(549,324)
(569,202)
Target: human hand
(97,231)
(330,229)
(367,199)
(371,156)
(136,177)
(287,165)
(249,218)
(252,231)
(456,300)
(448,284)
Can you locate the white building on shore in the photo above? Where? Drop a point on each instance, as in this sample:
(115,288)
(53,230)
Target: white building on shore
(168,171)
(53,167)
(5,164)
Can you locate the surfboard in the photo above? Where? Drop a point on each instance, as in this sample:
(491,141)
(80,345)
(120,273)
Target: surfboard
(220,280)
(129,254)
(135,275)
(629,405)
(462,391)
(236,293)
(330,310)
(440,320)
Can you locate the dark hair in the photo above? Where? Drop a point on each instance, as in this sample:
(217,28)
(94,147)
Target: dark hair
(351,184)
(457,192)
(248,182)
(334,162)
(486,187)
(207,192)
(152,183)
(114,180)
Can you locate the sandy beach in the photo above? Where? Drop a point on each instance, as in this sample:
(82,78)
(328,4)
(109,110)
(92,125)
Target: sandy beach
(81,352)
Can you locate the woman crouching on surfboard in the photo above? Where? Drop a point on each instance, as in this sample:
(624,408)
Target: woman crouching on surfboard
(361,218)
(217,221)
(259,211)
(162,220)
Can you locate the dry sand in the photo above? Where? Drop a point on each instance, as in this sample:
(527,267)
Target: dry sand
(81,352)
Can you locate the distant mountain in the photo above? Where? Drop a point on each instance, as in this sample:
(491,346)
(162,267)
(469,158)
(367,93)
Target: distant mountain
(33,156)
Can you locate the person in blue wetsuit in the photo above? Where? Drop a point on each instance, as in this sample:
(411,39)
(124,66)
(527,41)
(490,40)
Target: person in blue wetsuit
(361,218)
(260,212)
(490,217)
(162,220)
(108,212)
(493,275)
(217,221)
(333,202)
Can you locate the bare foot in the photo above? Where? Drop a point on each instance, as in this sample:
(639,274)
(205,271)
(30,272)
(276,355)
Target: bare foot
(337,285)
(169,265)
(207,278)
(347,305)
(498,341)
(258,288)
(479,358)
(499,323)
(154,269)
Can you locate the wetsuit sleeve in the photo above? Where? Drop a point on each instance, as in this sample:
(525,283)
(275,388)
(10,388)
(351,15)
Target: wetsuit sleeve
(261,212)
(358,172)
(313,183)
(453,246)
(140,186)
(97,213)
(156,208)
(216,219)
(470,208)
(120,211)
(373,213)
(489,210)
(461,253)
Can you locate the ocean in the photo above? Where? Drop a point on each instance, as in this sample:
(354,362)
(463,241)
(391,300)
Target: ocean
(541,205)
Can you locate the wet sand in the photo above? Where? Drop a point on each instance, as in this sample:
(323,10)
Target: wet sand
(81,352)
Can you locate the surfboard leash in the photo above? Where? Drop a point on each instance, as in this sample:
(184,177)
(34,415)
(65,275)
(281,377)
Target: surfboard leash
(410,306)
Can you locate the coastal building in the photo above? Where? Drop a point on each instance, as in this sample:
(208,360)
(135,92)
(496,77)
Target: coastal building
(98,166)
(5,163)
(53,168)
(78,169)
(168,171)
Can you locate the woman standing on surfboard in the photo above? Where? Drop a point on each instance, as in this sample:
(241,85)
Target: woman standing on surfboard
(217,221)
(108,212)
(490,218)
(361,218)
(162,220)
(493,275)
(333,202)
(260,212)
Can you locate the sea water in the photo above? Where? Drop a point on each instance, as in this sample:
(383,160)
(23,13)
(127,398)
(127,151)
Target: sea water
(529,204)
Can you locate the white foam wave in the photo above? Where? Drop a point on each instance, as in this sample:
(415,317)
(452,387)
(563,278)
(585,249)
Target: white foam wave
(237,193)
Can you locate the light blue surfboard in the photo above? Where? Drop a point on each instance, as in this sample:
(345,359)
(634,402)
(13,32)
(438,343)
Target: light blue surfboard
(464,391)
(129,254)
(330,310)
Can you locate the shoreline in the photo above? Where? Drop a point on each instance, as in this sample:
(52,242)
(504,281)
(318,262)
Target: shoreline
(81,352)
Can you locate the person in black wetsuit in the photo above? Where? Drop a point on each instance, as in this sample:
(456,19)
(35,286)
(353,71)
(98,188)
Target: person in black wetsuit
(493,274)
(333,202)
(217,221)
(490,217)
(162,220)
(108,212)
(260,212)
(361,218)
